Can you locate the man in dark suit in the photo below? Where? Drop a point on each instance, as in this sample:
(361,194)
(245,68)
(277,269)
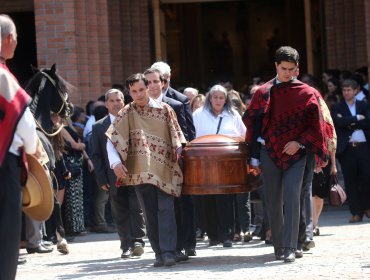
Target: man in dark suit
(185,223)
(185,204)
(352,122)
(168,91)
(126,210)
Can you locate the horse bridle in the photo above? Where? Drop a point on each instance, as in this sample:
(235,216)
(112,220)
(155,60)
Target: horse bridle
(51,80)
(46,77)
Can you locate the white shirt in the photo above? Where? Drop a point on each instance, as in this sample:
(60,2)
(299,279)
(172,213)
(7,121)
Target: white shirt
(358,135)
(113,155)
(160,98)
(206,123)
(88,126)
(25,134)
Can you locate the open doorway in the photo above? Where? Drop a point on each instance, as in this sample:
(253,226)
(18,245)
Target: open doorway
(207,42)
(25,53)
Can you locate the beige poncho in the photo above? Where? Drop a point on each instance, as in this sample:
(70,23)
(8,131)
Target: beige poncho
(147,138)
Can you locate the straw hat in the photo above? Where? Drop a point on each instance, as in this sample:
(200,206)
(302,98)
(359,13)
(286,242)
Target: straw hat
(37,198)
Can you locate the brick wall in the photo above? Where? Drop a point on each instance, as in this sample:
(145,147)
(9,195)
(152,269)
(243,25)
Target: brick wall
(129,37)
(346,33)
(94,42)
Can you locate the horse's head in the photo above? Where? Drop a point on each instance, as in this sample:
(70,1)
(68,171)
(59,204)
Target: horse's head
(49,94)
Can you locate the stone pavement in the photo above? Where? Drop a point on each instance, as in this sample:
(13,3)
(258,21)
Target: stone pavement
(342,252)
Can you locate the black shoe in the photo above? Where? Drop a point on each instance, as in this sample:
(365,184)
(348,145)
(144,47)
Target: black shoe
(169,261)
(228,243)
(190,252)
(289,255)
(158,262)
(248,237)
(268,242)
(279,253)
(316,231)
(213,243)
(298,254)
(308,244)
(257,232)
(137,250)
(39,249)
(180,256)
(126,254)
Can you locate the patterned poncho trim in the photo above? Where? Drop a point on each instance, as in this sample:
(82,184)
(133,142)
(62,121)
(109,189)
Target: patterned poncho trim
(13,103)
(289,112)
(146,139)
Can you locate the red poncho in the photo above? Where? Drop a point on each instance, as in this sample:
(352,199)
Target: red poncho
(289,112)
(13,102)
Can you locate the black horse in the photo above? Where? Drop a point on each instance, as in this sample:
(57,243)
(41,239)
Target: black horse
(49,94)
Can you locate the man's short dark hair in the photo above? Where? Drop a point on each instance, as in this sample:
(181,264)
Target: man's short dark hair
(100,112)
(286,53)
(154,70)
(350,83)
(134,78)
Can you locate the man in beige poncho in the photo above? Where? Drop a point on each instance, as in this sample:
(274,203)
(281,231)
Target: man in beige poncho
(142,152)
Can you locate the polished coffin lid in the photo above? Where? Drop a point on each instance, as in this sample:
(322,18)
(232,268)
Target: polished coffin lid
(215,164)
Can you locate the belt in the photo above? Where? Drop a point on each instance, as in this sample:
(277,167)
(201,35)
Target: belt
(356,144)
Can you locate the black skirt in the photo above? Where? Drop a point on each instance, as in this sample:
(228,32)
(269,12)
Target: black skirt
(320,185)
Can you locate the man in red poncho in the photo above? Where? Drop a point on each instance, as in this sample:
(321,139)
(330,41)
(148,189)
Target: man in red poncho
(284,125)
(18,131)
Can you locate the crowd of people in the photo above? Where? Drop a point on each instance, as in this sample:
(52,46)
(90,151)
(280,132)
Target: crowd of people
(118,161)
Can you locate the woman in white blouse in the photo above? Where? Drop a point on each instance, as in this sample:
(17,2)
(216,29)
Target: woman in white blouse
(218,116)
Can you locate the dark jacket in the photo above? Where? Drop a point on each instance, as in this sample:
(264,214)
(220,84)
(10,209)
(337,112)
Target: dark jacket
(345,124)
(174,94)
(104,174)
(178,107)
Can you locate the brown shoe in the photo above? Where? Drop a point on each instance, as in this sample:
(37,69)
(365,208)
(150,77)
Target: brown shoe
(355,219)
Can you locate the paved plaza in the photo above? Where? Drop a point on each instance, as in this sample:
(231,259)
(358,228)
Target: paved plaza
(342,252)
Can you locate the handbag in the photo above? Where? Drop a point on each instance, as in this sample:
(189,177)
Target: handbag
(337,196)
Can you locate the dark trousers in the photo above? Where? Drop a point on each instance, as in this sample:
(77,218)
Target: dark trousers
(10,216)
(184,209)
(128,216)
(159,214)
(283,190)
(220,216)
(305,227)
(242,212)
(55,223)
(355,163)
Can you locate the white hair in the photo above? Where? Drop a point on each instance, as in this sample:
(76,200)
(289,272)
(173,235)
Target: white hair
(7,26)
(163,67)
(111,91)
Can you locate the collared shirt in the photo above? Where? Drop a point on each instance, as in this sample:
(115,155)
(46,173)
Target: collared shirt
(360,96)
(113,155)
(206,123)
(88,126)
(25,135)
(358,135)
(160,98)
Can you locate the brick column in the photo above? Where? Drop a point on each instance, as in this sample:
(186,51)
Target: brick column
(74,34)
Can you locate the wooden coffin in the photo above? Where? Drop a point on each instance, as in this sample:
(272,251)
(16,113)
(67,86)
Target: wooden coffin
(215,164)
